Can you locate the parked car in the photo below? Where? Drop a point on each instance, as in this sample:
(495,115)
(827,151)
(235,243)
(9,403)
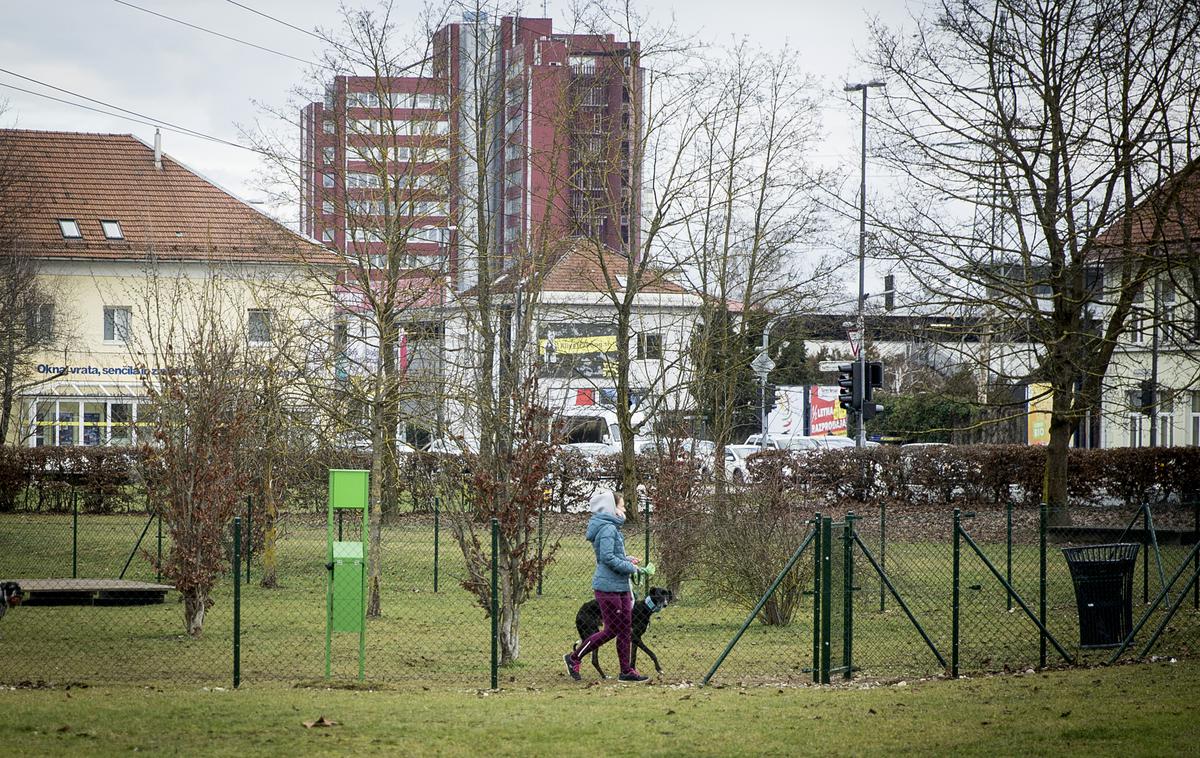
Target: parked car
(736,468)
(799,443)
(592,449)
(448,446)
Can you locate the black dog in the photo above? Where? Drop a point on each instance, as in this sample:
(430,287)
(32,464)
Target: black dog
(10,595)
(587,623)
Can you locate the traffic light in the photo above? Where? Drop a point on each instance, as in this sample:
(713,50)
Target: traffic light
(769,397)
(850,382)
(874,378)
(874,381)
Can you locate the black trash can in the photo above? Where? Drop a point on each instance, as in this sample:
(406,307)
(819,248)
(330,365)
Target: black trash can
(1103,579)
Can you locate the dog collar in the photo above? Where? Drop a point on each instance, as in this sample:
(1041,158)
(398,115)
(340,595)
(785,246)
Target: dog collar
(650,604)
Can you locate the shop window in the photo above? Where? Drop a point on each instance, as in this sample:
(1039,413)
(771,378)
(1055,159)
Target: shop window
(120,416)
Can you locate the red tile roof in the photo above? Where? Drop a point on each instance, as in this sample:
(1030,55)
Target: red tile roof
(173,214)
(582,267)
(1181,221)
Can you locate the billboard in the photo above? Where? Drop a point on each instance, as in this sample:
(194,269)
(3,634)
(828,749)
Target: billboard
(806,409)
(1037,420)
(825,415)
(580,350)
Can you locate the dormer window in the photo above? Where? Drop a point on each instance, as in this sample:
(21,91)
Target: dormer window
(70,229)
(112,230)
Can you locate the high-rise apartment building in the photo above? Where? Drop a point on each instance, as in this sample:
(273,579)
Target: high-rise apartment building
(508,138)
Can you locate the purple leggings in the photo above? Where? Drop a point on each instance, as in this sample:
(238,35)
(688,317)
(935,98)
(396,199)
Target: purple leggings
(616,609)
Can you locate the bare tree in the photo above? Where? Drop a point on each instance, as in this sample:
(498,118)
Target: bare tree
(29,324)
(388,172)
(1025,134)
(192,352)
(751,219)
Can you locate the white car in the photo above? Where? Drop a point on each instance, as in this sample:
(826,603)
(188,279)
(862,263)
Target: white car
(592,449)
(447,446)
(736,468)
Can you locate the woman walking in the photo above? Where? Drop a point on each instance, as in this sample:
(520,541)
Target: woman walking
(611,584)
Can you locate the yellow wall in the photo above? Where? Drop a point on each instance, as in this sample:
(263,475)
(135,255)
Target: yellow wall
(81,367)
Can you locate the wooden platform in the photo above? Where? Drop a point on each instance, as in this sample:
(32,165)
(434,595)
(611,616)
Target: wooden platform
(91,592)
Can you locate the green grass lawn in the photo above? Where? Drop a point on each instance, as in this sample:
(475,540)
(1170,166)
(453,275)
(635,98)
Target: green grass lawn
(1124,710)
(442,639)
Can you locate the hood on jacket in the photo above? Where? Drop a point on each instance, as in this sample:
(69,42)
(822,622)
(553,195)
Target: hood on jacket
(601,520)
(603,501)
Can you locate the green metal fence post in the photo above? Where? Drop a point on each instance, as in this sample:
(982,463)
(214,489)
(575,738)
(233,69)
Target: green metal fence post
(495,602)
(816,666)
(541,511)
(249,533)
(237,601)
(646,558)
(826,596)
(158,563)
(437,537)
(74,535)
(848,593)
(1008,508)
(954,595)
(882,553)
(1043,517)
(1145,553)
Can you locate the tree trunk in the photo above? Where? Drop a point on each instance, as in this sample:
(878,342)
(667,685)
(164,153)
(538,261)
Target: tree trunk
(270,556)
(510,621)
(195,603)
(1054,483)
(375,536)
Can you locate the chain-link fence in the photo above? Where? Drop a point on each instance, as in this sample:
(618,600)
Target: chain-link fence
(97,608)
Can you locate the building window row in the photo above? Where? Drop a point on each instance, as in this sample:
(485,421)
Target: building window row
(416,101)
(397,126)
(74,421)
(70,229)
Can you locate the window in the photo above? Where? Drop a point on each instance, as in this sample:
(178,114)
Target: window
(327,180)
(649,346)
(116,323)
(362,100)
(361,180)
(327,126)
(112,230)
(259,326)
(95,421)
(512,206)
(1195,417)
(329,235)
(430,208)
(70,229)
(1135,430)
(327,206)
(431,154)
(1136,325)
(330,154)
(39,322)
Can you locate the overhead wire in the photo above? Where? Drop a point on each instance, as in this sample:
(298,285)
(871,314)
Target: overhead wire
(276,20)
(211,31)
(135,117)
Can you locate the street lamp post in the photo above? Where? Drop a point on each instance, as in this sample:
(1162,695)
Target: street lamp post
(862,258)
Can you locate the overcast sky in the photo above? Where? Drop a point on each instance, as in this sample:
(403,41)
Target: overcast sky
(128,58)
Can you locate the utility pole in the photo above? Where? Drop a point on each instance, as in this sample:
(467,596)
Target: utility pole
(862,257)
